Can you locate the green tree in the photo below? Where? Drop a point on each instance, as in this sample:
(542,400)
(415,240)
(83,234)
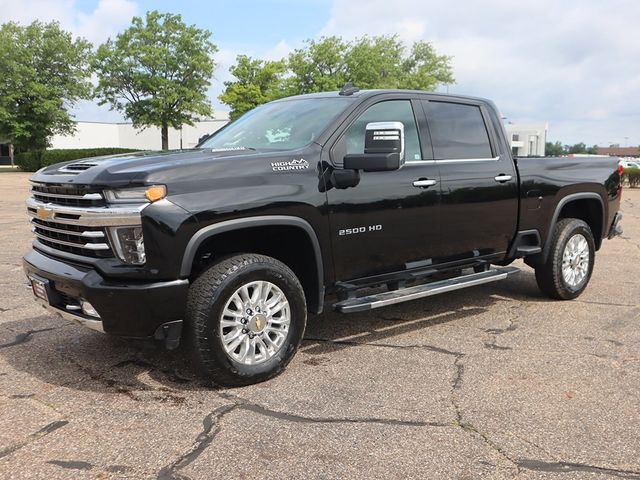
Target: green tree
(328,63)
(257,82)
(45,71)
(375,62)
(319,66)
(577,148)
(385,62)
(424,69)
(157,72)
(554,149)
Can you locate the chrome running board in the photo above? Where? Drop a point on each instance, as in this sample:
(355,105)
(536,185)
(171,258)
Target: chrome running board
(425,290)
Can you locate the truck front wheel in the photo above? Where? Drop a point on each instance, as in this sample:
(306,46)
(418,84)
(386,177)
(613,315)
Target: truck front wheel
(246,316)
(569,265)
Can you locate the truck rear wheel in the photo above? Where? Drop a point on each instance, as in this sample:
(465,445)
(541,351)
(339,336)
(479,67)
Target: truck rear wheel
(569,265)
(246,316)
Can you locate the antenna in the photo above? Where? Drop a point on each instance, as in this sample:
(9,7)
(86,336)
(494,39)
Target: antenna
(348,89)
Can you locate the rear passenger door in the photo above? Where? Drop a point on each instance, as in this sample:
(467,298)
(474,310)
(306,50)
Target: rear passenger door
(479,184)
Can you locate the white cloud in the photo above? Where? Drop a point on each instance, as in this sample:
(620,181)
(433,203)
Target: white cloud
(572,63)
(280,51)
(108,17)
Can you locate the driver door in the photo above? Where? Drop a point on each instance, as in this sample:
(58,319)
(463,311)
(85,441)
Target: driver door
(390,221)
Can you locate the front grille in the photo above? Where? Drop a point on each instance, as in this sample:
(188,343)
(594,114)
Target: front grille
(77,239)
(73,221)
(71,196)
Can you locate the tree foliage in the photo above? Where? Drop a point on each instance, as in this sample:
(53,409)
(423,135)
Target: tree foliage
(328,63)
(557,149)
(157,72)
(554,149)
(257,82)
(45,71)
(319,66)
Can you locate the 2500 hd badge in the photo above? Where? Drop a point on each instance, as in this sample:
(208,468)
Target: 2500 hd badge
(357,230)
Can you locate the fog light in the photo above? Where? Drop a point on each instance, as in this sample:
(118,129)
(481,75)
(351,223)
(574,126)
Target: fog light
(129,244)
(88,309)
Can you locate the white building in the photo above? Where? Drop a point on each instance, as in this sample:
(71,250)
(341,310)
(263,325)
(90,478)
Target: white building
(527,139)
(124,135)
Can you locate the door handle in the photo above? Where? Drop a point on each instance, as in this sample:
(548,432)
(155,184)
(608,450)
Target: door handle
(503,178)
(424,183)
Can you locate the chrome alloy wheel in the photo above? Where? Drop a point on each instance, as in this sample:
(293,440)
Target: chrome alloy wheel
(255,322)
(575,260)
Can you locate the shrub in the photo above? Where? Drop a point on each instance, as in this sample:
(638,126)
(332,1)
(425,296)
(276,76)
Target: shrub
(32,161)
(631,177)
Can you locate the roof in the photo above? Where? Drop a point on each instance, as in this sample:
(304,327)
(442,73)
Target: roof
(619,151)
(370,93)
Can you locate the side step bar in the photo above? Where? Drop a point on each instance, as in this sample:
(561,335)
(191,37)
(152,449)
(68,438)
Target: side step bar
(420,291)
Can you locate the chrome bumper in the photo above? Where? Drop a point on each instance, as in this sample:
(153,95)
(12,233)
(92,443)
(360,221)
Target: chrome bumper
(92,324)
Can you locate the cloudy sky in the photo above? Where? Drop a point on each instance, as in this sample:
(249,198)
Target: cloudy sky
(572,63)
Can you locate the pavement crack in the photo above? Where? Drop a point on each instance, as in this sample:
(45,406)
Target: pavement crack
(456,385)
(607,304)
(494,333)
(25,337)
(71,464)
(46,430)
(259,409)
(430,348)
(243,404)
(567,467)
(211,428)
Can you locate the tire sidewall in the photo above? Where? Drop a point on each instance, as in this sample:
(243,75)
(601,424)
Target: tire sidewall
(573,228)
(245,274)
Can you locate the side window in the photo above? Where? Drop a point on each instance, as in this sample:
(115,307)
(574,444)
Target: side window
(457,131)
(387,111)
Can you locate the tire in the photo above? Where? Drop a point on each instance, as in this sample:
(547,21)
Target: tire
(223,289)
(549,275)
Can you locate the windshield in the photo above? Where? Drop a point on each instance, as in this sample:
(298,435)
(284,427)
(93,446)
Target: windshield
(287,125)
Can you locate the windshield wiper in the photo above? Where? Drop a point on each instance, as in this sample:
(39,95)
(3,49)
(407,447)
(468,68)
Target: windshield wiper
(231,149)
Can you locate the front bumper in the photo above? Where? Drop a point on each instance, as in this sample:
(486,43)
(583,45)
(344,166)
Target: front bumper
(126,308)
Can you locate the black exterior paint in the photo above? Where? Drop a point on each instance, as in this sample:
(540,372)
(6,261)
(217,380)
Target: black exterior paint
(465,218)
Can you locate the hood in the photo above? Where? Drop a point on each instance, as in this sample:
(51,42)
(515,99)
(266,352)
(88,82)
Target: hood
(143,167)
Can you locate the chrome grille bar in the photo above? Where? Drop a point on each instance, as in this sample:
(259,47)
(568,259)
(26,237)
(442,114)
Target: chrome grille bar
(87,217)
(86,196)
(86,233)
(88,246)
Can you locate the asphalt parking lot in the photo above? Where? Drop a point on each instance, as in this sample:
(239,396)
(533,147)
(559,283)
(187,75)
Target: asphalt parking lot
(493,382)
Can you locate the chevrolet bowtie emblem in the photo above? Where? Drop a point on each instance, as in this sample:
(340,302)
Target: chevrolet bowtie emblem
(44,213)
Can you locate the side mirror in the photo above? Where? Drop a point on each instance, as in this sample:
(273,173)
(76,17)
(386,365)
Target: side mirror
(383,148)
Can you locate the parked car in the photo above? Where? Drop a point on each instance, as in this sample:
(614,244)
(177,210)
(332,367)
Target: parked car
(305,202)
(626,164)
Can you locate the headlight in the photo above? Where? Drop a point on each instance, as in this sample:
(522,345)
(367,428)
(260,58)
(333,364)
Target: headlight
(129,244)
(152,193)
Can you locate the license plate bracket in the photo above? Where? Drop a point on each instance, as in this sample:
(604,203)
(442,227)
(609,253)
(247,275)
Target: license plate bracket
(40,288)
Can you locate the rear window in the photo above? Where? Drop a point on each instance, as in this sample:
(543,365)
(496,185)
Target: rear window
(457,131)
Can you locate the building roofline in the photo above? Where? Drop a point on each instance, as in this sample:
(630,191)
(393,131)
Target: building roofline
(225,118)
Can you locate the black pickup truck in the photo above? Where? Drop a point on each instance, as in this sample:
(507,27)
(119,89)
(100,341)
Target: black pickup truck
(354,199)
